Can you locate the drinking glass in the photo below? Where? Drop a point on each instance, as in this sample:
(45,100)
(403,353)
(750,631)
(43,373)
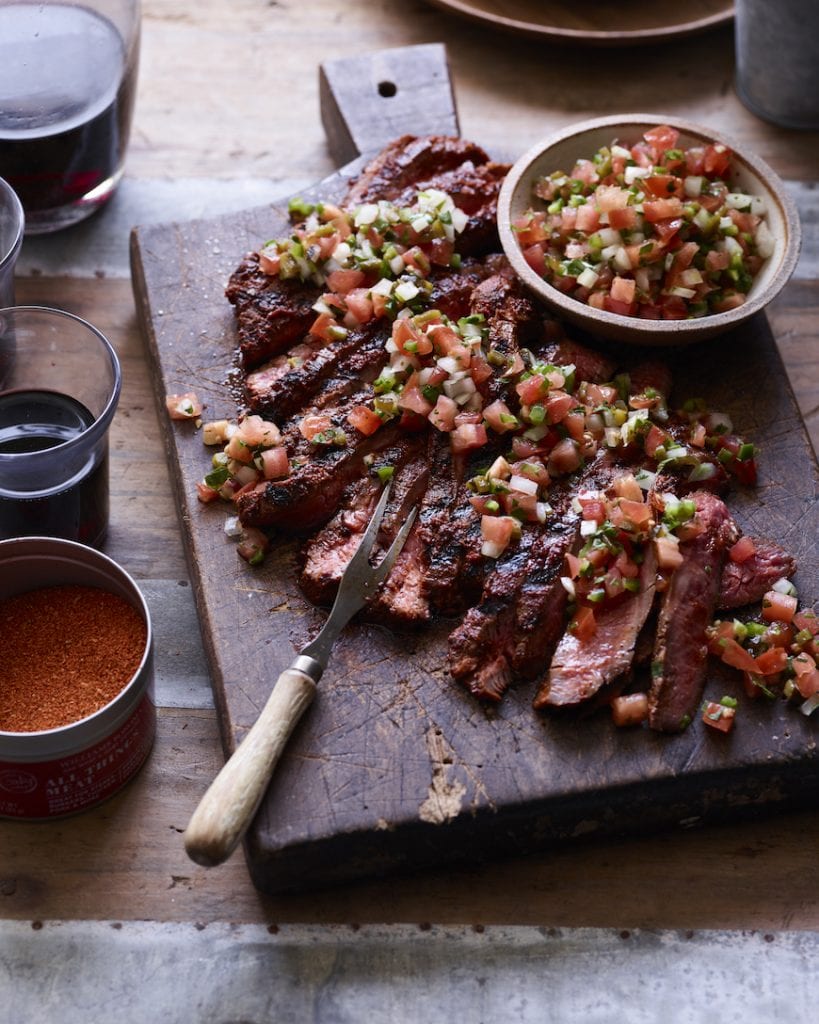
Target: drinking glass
(67,84)
(11,239)
(60,382)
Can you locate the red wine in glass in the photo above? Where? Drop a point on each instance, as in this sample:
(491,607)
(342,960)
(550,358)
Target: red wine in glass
(67,84)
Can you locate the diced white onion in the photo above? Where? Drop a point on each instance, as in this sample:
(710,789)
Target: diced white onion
(692,185)
(588,279)
(784,586)
(522,484)
(738,201)
(233,528)
(633,173)
(568,585)
(588,527)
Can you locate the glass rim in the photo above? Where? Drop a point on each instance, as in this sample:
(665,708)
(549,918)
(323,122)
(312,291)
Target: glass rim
(94,433)
(16,207)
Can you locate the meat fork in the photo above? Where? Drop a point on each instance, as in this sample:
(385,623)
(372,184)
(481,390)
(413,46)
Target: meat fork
(227,808)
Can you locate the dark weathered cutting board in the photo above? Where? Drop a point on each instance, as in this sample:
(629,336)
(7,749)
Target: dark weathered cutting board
(393,766)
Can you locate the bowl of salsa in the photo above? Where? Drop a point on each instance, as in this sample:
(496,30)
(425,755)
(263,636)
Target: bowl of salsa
(648,229)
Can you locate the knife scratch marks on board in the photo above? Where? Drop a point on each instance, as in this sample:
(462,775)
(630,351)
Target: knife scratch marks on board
(445,796)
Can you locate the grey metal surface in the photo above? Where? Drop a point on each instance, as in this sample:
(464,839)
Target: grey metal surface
(89,972)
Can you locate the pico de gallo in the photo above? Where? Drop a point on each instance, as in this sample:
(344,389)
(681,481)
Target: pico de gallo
(374,260)
(650,230)
(776,652)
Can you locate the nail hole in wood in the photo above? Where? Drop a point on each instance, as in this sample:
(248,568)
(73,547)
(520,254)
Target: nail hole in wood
(387,89)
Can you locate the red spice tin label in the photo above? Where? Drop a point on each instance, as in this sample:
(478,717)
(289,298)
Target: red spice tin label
(50,789)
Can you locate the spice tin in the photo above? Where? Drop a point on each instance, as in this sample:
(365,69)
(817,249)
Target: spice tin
(61,771)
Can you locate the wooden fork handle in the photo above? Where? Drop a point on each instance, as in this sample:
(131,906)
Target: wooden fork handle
(227,808)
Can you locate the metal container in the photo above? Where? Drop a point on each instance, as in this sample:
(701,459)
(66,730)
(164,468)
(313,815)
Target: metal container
(777,60)
(61,771)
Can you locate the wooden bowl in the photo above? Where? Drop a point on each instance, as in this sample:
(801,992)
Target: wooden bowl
(750,175)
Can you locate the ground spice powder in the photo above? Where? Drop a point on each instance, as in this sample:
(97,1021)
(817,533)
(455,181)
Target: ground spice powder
(65,652)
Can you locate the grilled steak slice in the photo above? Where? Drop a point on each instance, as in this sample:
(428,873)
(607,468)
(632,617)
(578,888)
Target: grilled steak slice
(273,314)
(409,160)
(311,495)
(451,528)
(280,390)
(521,614)
(359,357)
(402,600)
(479,646)
(747,582)
(580,669)
(650,374)
(680,650)
(589,365)
(327,554)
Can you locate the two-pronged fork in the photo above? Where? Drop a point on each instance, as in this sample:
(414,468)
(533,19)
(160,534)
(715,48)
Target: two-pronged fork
(227,808)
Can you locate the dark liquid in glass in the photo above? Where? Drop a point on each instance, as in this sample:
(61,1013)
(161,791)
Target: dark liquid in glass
(66,99)
(34,421)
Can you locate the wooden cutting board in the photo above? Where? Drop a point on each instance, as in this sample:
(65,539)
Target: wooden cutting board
(394,767)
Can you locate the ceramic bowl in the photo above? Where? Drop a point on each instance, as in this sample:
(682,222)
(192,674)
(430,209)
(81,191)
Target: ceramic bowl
(750,175)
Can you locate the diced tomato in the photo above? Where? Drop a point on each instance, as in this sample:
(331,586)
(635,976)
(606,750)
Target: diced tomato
(443,415)
(343,281)
(444,339)
(468,436)
(314,423)
(206,494)
(575,423)
(735,655)
(717,159)
(565,457)
(253,545)
(499,417)
(531,228)
(572,565)
(718,717)
(532,389)
(668,553)
(772,661)
(593,510)
(588,219)
(498,532)
(322,326)
(654,439)
(183,407)
(535,256)
(622,219)
(663,185)
(667,229)
(364,419)
(742,550)
(636,512)
(663,137)
(275,463)
(610,197)
(616,306)
(622,289)
(412,399)
(479,370)
(778,607)
(239,450)
(806,674)
(662,209)
(558,404)
(405,333)
(583,624)
(360,308)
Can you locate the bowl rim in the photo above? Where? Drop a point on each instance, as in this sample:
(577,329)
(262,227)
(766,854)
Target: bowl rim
(605,321)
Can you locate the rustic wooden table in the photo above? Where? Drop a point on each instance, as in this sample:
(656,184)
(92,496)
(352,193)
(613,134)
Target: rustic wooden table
(227,116)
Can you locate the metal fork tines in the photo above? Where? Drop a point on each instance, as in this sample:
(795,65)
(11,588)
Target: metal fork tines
(358,586)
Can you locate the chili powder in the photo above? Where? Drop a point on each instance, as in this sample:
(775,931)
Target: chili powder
(67,651)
